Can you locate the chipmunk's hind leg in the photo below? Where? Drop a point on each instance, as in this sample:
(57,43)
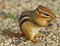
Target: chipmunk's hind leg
(37,40)
(34,40)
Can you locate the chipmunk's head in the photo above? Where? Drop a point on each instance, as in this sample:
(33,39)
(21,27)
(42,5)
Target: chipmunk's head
(44,15)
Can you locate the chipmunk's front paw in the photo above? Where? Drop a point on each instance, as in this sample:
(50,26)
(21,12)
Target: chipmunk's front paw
(40,35)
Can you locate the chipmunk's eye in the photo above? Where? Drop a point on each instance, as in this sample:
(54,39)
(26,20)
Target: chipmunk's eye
(46,14)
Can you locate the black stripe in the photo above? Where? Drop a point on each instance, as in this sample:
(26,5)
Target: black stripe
(24,14)
(24,21)
(23,17)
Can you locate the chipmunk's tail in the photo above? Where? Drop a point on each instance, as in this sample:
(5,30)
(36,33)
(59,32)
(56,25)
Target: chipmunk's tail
(11,34)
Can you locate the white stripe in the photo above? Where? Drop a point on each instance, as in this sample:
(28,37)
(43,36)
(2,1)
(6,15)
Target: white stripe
(24,18)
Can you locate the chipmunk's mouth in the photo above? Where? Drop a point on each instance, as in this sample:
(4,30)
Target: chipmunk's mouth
(49,21)
(50,24)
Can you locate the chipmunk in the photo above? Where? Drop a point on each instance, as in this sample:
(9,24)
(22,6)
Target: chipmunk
(31,21)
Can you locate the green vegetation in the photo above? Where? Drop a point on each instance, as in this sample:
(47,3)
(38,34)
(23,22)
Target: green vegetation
(10,15)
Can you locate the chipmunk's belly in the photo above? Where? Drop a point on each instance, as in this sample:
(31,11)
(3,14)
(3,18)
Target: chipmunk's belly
(29,30)
(35,30)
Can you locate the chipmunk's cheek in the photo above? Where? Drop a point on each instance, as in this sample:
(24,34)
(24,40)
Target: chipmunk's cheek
(44,23)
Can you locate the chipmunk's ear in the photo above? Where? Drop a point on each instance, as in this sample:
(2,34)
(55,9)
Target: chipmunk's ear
(38,9)
(41,7)
(44,8)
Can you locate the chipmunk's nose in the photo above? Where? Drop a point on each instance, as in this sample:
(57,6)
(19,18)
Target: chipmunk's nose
(53,16)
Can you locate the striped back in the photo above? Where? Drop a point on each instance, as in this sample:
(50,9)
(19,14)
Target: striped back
(25,16)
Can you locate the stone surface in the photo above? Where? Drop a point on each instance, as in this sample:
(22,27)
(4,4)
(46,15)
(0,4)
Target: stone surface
(52,37)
